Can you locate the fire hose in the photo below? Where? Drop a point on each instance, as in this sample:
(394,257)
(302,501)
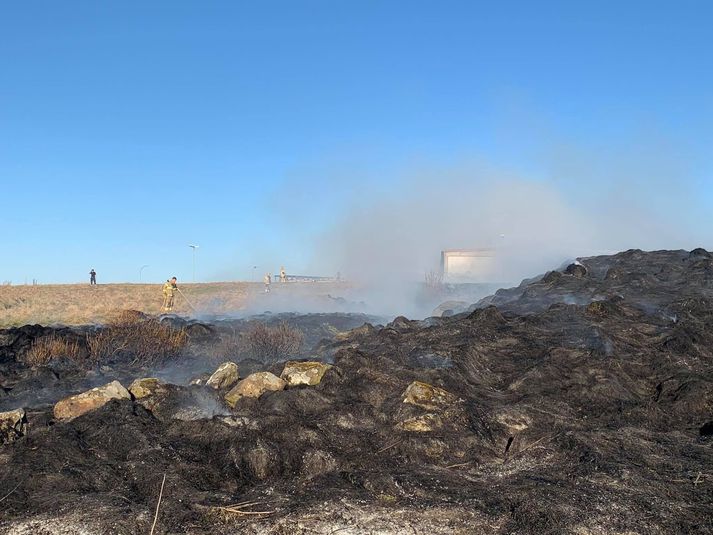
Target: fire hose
(187,301)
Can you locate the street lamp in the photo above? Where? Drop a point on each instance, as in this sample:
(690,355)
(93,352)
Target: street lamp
(141,270)
(194,247)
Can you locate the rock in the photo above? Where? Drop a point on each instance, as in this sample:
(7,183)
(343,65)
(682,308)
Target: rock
(13,425)
(448,308)
(74,406)
(224,377)
(148,386)
(428,397)
(254,386)
(421,424)
(304,373)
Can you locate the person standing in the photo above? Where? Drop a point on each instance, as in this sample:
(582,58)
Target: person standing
(92,277)
(169,289)
(267,279)
(283,274)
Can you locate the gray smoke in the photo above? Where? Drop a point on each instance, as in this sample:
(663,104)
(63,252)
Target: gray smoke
(385,243)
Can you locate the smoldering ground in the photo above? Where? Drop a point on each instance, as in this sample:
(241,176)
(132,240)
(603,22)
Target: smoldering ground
(549,418)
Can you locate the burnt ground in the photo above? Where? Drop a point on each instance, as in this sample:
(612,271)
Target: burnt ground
(585,405)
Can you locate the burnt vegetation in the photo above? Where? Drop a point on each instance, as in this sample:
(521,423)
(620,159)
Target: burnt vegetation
(578,402)
(272,343)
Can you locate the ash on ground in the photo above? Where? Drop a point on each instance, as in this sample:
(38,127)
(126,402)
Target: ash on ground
(579,402)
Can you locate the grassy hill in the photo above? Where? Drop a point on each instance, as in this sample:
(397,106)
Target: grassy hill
(75,304)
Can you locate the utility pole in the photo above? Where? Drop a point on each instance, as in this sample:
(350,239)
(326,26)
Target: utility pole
(194,247)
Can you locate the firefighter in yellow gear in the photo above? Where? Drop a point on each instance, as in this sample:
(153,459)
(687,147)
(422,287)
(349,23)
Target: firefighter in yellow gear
(169,290)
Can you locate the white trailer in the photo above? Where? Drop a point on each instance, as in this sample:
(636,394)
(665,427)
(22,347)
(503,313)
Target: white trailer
(468,265)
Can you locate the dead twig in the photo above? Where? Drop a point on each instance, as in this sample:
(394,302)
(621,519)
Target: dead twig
(695,483)
(241,512)
(18,486)
(390,446)
(158,505)
(238,510)
(241,505)
(459,465)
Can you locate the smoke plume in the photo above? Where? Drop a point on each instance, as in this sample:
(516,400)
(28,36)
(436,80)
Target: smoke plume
(386,241)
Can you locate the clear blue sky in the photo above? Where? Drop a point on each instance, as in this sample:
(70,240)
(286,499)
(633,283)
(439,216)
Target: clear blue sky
(130,129)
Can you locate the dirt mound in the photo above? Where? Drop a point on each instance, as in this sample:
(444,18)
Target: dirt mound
(580,404)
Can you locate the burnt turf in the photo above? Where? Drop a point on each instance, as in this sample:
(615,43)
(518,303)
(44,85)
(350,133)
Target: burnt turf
(587,407)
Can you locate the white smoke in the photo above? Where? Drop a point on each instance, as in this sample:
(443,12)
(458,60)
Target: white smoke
(387,242)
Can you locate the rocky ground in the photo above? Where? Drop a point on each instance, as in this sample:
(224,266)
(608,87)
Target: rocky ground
(579,402)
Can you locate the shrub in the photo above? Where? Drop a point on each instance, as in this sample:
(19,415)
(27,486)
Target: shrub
(49,347)
(131,335)
(272,343)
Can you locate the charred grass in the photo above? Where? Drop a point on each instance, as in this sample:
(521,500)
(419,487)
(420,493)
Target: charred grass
(267,343)
(261,341)
(569,419)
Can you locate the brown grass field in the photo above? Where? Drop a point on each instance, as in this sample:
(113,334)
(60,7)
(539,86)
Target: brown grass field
(77,304)
(81,304)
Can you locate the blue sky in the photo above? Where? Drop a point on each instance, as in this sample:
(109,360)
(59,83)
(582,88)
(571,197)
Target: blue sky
(130,129)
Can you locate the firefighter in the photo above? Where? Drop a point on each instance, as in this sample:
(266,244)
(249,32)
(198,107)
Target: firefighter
(267,279)
(92,277)
(283,274)
(169,289)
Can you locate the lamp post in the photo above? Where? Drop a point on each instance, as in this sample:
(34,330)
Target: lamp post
(194,247)
(141,270)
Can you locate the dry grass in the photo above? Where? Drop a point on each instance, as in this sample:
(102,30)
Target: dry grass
(130,334)
(272,343)
(51,347)
(82,304)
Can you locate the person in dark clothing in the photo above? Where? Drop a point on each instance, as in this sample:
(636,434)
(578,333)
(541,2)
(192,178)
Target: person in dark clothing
(92,277)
